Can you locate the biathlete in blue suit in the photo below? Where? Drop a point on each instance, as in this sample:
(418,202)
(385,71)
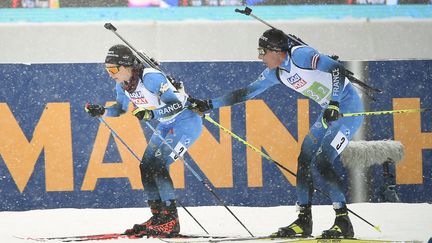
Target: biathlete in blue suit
(154,97)
(322,79)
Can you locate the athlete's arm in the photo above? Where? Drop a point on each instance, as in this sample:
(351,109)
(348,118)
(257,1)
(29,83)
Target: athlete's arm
(264,81)
(121,105)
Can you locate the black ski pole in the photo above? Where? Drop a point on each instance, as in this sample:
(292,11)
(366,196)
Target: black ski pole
(136,156)
(190,214)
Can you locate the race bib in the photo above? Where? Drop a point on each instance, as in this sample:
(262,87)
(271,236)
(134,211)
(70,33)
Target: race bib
(180,150)
(316,92)
(339,142)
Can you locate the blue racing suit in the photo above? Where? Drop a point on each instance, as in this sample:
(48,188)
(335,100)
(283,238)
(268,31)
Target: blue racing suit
(180,128)
(321,79)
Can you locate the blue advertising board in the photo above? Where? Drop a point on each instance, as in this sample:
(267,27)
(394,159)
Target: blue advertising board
(405,85)
(53,155)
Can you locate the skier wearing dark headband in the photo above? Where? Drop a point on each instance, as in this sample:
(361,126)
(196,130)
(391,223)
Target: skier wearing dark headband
(153,97)
(322,79)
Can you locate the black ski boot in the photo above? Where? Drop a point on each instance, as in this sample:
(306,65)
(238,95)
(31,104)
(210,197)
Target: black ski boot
(342,227)
(167,223)
(156,209)
(302,227)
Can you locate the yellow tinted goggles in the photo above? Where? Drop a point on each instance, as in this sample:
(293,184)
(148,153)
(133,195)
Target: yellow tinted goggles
(113,69)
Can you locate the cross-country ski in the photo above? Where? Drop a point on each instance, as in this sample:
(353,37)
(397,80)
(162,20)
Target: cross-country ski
(261,220)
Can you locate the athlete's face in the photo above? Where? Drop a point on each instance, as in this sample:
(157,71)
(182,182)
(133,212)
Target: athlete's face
(272,59)
(118,73)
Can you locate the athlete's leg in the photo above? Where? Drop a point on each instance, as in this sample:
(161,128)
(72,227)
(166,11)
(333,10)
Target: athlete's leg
(305,161)
(150,165)
(181,135)
(335,140)
(148,171)
(337,136)
(302,227)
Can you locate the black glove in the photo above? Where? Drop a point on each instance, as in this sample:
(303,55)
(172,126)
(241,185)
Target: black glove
(94,110)
(200,105)
(143,114)
(331,113)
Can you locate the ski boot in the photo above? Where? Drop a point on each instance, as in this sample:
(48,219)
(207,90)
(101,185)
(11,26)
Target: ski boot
(156,209)
(302,227)
(167,224)
(342,227)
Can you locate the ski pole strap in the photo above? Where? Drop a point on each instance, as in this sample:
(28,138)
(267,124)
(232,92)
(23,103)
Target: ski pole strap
(373,113)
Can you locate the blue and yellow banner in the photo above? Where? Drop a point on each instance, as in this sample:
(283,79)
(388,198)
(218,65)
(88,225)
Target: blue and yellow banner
(53,155)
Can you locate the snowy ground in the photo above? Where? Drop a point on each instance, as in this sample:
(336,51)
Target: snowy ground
(397,221)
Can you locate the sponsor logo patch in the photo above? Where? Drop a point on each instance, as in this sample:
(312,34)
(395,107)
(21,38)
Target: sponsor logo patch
(296,81)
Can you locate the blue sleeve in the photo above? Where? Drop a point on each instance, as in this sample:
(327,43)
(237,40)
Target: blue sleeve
(121,105)
(158,84)
(265,80)
(308,58)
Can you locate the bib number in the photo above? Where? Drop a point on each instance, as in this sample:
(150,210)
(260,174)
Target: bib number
(316,92)
(339,142)
(180,149)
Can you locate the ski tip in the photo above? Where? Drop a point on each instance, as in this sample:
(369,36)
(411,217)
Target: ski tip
(377,227)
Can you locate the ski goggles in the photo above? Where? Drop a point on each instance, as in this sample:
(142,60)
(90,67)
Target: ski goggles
(262,51)
(113,69)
